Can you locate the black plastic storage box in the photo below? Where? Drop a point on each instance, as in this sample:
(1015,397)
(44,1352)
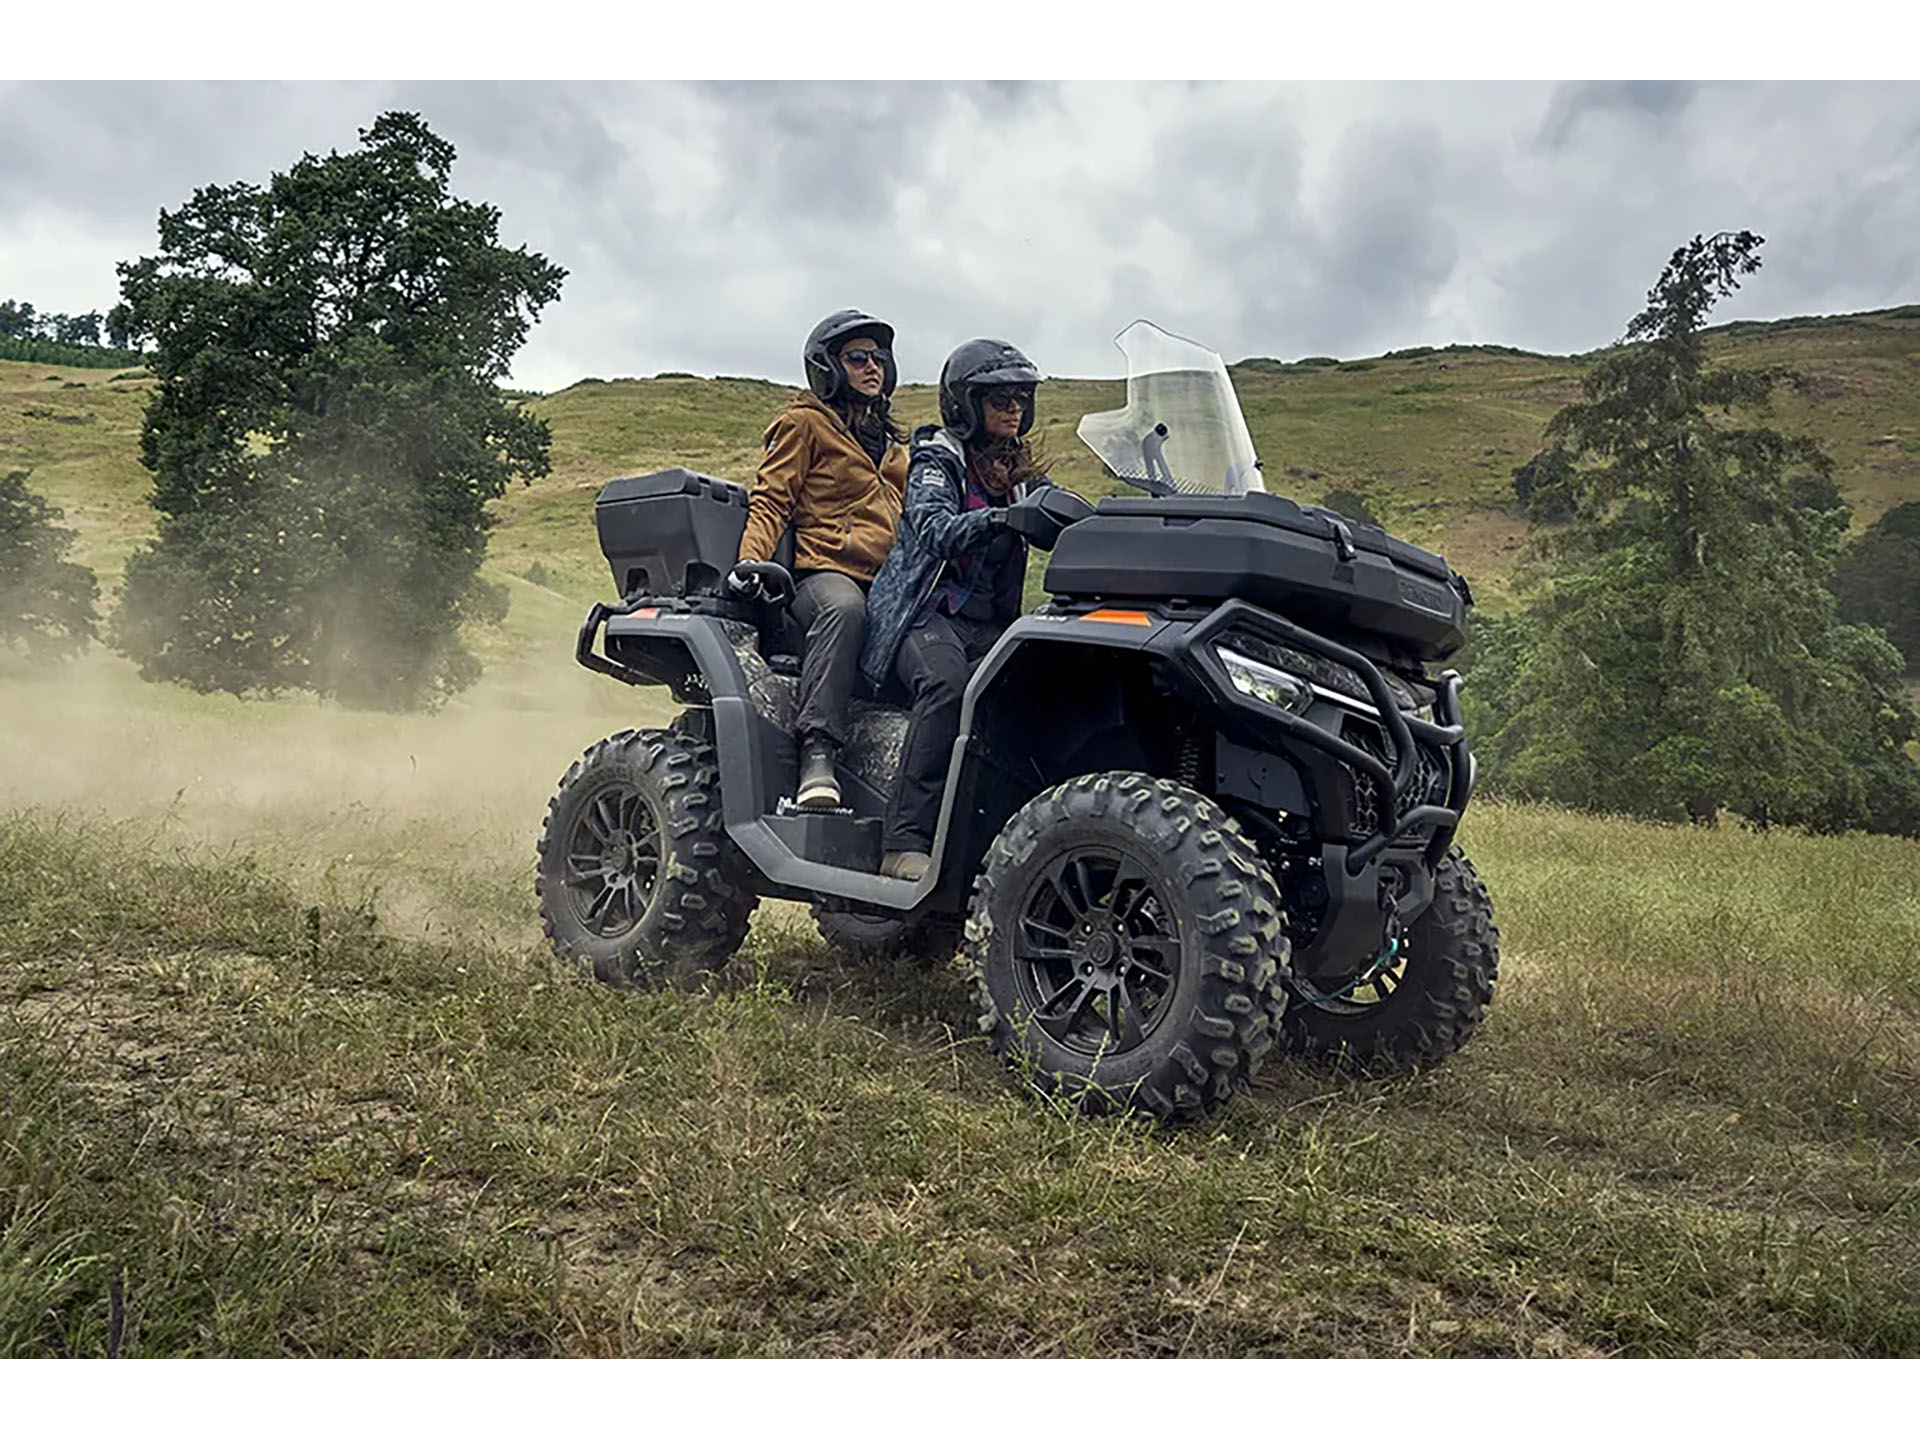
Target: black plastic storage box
(1309,565)
(674,532)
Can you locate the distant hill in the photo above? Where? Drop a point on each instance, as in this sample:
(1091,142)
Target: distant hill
(1430,436)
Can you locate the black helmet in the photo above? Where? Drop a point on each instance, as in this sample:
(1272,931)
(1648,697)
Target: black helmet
(824,374)
(976,366)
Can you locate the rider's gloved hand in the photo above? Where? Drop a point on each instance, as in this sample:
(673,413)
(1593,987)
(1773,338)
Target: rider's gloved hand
(1026,518)
(743,584)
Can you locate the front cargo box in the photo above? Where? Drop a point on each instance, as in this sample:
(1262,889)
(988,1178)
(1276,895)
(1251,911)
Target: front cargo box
(1264,549)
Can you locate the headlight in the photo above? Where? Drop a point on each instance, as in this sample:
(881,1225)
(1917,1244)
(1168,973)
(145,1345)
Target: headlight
(1264,683)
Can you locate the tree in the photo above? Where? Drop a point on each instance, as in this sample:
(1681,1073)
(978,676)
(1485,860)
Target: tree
(1688,652)
(17,320)
(46,601)
(1878,580)
(328,427)
(1544,486)
(76,329)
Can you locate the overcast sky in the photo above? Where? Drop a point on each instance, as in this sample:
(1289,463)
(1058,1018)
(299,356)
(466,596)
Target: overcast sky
(707,226)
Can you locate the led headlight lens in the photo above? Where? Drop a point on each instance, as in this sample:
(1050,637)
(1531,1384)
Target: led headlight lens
(1264,683)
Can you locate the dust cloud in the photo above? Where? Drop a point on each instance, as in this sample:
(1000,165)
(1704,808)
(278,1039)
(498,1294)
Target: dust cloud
(429,818)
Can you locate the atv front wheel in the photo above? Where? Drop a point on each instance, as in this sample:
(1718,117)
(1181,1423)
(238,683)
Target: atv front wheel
(1427,1003)
(637,876)
(1126,947)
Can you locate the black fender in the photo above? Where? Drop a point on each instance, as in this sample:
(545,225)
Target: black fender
(689,649)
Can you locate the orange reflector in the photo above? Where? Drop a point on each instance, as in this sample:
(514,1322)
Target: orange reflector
(652,612)
(1120,617)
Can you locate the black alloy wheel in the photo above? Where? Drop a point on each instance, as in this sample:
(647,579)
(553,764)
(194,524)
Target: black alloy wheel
(613,859)
(1096,951)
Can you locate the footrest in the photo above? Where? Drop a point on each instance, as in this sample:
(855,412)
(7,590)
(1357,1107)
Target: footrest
(830,837)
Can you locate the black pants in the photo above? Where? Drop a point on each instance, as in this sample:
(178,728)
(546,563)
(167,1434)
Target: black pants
(935,661)
(832,609)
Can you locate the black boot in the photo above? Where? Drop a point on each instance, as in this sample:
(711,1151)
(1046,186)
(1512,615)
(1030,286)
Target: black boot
(819,787)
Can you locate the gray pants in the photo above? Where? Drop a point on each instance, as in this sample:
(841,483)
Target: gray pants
(832,609)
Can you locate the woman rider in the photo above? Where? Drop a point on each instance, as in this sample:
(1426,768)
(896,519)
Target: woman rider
(834,471)
(954,579)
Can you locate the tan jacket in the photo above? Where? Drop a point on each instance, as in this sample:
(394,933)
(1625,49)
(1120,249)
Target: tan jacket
(845,511)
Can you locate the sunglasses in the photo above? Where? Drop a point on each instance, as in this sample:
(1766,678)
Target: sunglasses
(1009,399)
(860,359)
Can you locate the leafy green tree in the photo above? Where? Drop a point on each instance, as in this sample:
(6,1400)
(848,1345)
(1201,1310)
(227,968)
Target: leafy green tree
(329,426)
(1815,492)
(46,601)
(77,329)
(1544,486)
(18,320)
(1878,580)
(1688,653)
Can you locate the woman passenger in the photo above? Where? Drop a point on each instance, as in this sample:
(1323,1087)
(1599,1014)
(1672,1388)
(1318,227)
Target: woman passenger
(834,472)
(954,580)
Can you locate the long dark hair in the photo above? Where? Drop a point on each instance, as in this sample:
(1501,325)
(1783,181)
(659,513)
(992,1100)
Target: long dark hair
(869,420)
(999,464)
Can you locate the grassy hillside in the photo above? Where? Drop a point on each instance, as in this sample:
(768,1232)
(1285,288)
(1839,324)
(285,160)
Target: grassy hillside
(78,431)
(284,1063)
(1430,439)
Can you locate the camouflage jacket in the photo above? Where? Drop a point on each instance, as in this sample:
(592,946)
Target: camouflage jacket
(935,527)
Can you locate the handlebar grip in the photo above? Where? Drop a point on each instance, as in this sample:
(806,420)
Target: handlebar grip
(776,583)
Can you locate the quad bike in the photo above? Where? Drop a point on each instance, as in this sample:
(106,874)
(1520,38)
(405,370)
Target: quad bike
(1201,801)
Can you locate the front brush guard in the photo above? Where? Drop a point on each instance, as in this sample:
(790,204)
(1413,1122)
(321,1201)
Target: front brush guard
(1195,650)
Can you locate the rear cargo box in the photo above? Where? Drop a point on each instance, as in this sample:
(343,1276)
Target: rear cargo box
(674,532)
(1306,564)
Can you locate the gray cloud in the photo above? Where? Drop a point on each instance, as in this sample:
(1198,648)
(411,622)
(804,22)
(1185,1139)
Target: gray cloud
(1642,99)
(1385,250)
(706,226)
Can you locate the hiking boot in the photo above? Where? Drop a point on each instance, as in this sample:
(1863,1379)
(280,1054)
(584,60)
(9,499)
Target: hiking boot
(819,787)
(906,864)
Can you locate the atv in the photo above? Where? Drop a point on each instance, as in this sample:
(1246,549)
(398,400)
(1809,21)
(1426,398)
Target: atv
(1202,800)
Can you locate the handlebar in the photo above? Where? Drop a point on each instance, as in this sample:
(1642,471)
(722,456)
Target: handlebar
(776,583)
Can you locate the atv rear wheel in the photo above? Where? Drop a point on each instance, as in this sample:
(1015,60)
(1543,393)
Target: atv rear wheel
(1126,947)
(1424,1006)
(637,876)
(874,939)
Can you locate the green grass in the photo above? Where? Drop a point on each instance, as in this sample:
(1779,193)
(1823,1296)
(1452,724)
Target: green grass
(82,445)
(1691,1127)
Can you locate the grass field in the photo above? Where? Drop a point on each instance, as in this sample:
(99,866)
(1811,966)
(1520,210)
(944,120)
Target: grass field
(288,1127)
(284,1068)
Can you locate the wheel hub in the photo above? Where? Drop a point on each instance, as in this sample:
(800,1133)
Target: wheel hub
(1098,950)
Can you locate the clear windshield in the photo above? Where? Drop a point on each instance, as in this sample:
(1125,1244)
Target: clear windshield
(1181,431)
